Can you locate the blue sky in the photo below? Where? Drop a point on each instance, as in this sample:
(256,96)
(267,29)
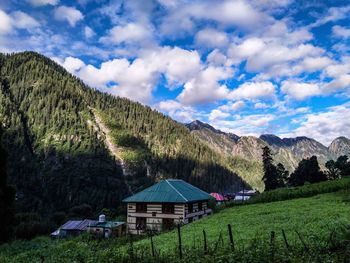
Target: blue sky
(247,67)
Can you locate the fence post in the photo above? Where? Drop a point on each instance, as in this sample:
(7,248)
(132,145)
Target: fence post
(231,236)
(152,245)
(272,244)
(180,244)
(205,242)
(302,241)
(285,239)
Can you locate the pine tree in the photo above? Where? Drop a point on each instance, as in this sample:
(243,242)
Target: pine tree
(270,177)
(7,197)
(282,175)
(308,170)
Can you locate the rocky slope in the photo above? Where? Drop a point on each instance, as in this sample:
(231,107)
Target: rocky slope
(288,151)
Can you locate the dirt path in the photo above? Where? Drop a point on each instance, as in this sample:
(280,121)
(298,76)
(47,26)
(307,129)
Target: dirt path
(114,150)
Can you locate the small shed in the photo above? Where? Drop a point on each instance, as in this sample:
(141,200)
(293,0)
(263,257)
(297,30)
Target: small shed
(108,229)
(73,228)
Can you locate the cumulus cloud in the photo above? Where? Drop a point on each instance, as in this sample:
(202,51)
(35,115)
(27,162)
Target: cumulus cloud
(205,87)
(129,33)
(253,90)
(217,114)
(210,37)
(276,54)
(340,31)
(333,14)
(23,20)
(254,124)
(300,90)
(69,14)
(43,2)
(326,125)
(88,32)
(6,23)
(178,111)
(233,106)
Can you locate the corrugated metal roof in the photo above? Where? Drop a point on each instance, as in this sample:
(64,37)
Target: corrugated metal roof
(108,224)
(169,191)
(78,224)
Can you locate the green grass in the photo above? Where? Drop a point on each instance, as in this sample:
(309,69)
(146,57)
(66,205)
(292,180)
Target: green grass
(306,190)
(314,217)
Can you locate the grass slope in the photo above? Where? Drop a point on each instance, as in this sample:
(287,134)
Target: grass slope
(314,217)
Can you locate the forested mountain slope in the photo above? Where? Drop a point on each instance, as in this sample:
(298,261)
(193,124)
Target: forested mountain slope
(57,151)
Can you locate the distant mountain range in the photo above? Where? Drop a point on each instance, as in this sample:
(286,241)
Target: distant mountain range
(288,151)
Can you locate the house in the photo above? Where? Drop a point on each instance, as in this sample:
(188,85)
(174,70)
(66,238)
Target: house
(219,198)
(164,205)
(73,228)
(107,229)
(244,195)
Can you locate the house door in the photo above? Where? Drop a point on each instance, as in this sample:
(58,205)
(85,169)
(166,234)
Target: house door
(168,223)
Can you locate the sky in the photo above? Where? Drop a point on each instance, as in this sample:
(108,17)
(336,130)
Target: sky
(246,67)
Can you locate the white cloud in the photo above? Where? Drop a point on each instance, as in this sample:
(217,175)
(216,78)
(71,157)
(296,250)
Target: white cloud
(326,125)
(73,64)
(43,2)
(340,31)
(233,106)
(217,114)
(178,111)
(210,37)
(88,32)
(333,14)
(253,90)
(6,23)
(300,90)
(339,83)
(316,63)
(130,33)
(249,47)
(217,58)
(261,105)
(276,54)
(254,124)
(204,87)
(24,21)
(69,14)
(137,79)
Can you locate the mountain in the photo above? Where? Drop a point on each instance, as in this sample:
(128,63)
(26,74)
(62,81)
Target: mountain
(70,145)
(340,146)
(288,151)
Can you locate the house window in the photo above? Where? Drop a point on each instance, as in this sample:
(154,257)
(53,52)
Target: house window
(141,208)
(190,208)
(200,206)
(168,208)
(140,223)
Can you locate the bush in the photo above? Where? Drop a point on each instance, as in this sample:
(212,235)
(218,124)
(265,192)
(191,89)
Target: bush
(306,190)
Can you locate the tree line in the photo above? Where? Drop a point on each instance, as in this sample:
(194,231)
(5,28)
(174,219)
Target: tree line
(307,171)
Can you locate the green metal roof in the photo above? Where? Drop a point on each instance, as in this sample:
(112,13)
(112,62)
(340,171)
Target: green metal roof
(169,191)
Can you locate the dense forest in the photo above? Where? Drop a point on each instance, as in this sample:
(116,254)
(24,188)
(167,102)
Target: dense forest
(57,157)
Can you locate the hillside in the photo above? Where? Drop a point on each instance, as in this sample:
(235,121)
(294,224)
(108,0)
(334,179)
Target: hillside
(60,135)
(288,151)
(319,220)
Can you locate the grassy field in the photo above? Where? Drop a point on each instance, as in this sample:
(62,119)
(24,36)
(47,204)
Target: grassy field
(314,218)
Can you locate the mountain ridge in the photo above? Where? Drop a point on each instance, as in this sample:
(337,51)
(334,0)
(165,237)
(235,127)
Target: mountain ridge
(288,151)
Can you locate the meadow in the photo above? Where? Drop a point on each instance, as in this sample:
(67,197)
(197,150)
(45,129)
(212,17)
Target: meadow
(316,228)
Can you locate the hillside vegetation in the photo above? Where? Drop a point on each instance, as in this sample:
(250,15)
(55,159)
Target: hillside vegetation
(316,228)
(58,159)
